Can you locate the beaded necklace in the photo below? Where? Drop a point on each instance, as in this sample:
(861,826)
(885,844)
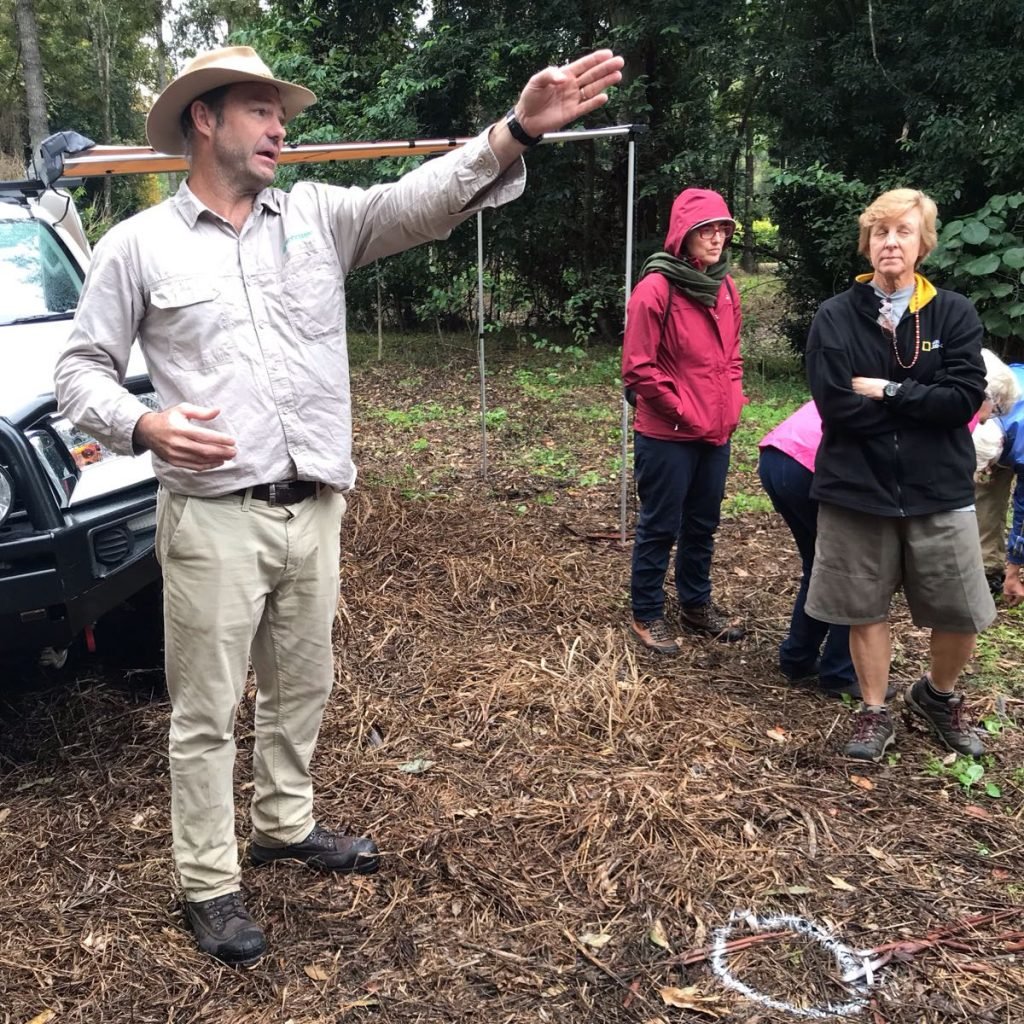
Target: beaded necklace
(891,330)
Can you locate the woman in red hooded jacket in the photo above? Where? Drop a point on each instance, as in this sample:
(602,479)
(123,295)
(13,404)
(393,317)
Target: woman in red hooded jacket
(681,361)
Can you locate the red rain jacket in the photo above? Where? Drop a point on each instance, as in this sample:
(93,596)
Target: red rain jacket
(688,378)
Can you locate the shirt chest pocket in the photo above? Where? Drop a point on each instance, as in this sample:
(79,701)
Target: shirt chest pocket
(312,296)
(197,323)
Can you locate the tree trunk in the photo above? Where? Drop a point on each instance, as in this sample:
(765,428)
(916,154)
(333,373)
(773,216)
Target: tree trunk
(35,96)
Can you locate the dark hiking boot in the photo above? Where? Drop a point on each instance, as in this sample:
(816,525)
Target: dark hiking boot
(654,635)
(707,620)
(801,673)
(873,735)
(324,850)
(225,929)
(948,720)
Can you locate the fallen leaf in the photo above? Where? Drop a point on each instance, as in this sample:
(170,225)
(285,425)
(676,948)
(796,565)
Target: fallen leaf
(1000,874)
(749,831)
(5,813)
(34,782)
(596,939)
(841,883)
(950,759)
(778,734)
(43,1018)
(742,573)
(316,973)
(553,992)
(689,998)
(974,811)
(462,744)
(861,782)
(790,890)
(95,943)
(883,858)
(658,937)
(363,1001)
(416,767)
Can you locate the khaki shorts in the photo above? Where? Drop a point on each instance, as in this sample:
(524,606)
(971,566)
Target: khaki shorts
(861,560)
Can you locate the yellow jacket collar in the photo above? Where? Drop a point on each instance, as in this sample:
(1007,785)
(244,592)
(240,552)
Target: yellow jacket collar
(924,290)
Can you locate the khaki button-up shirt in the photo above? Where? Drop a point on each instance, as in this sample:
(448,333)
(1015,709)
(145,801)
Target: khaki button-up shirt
(253,322)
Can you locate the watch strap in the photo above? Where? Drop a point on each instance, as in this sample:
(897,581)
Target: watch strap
(518,132)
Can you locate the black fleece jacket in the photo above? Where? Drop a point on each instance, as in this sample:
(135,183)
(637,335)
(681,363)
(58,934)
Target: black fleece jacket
(907,456)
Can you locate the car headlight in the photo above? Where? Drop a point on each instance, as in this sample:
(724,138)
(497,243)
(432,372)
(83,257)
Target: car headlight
(6,495)
(79,464)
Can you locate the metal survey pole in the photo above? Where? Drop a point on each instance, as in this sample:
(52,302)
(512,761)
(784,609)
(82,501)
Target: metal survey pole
(624,472)
(480,339)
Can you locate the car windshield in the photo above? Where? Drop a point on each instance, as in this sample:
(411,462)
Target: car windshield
(37,278)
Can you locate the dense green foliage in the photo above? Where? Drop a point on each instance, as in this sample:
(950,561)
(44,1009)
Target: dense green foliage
(794,110)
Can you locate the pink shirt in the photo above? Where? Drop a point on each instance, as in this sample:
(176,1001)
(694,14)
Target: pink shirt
(797,436)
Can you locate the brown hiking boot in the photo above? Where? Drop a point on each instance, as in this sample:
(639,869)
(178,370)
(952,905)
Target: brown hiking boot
(225,929)
(708,620)
(654,635)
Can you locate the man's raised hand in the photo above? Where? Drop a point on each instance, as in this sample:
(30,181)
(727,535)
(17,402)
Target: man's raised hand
(555,96)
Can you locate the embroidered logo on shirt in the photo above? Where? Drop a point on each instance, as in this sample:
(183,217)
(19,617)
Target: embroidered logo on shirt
(295,238)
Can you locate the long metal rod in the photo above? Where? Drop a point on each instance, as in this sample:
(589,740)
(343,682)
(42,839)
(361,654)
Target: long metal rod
(624,471)
(480,339)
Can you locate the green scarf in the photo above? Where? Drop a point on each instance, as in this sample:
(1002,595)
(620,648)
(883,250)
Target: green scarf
(699,285)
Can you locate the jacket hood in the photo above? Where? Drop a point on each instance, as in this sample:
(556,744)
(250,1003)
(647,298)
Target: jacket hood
(693,207)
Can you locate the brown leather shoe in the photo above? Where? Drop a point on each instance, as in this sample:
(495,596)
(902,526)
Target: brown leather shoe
(225,929)
(326,850)
(707,620)
(654,635)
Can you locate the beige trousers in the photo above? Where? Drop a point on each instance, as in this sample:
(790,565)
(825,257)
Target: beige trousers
(992,498)
(243,578)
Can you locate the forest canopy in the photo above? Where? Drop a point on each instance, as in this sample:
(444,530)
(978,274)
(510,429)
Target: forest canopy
(798,112)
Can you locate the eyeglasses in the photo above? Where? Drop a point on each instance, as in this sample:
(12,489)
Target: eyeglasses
(997,408)
(708,231)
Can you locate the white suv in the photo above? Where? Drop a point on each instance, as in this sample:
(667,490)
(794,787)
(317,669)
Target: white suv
(76,521)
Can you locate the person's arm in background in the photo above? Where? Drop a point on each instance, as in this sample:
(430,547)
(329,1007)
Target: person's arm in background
(736,362)
(1013,585)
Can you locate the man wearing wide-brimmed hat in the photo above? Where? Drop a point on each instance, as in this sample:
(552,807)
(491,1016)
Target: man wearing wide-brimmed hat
(235,291)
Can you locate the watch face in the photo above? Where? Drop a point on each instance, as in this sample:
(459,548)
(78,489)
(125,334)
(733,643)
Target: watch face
(890,390)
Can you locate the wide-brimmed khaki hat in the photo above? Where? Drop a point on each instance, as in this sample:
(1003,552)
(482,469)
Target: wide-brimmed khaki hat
(226,66)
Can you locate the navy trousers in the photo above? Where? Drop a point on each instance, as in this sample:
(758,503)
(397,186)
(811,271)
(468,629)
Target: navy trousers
(680,485)
(788,484)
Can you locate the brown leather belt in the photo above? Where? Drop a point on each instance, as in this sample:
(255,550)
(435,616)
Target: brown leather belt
(286,492)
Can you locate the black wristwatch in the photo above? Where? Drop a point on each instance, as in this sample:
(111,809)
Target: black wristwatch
(891,390)
(518,132)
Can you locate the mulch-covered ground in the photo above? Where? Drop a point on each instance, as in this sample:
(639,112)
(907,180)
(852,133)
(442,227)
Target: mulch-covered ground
(569,824)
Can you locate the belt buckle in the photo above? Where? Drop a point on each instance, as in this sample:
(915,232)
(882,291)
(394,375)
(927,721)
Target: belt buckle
(272,494)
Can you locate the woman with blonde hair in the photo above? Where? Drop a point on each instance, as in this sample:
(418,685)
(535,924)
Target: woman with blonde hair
(896,372)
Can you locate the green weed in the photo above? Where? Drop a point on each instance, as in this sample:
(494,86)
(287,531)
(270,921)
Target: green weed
(965,771)
(743,503)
